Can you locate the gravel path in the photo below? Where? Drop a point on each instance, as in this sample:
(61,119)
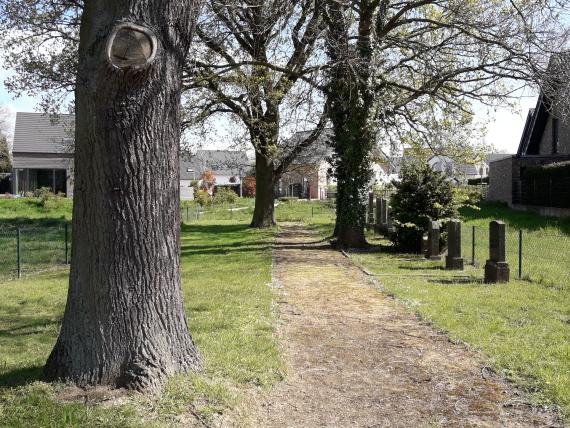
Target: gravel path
(356,357)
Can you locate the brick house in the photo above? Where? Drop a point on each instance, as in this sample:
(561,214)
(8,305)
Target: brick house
(308,175)
(545,140)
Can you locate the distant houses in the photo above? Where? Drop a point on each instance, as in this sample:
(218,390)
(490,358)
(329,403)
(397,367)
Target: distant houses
(43,153)
(229,168)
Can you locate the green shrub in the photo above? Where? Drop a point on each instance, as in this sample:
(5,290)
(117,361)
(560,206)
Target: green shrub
(224,195)
(421,196)
(202,198)
(46,199)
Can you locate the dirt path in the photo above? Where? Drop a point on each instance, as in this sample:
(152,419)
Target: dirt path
(356,358)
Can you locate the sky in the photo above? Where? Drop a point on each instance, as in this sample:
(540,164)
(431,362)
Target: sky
(503,132)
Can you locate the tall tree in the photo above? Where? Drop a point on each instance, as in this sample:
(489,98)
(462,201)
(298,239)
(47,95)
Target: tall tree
(251,63)
(124,323)
(254,61)
(409,67)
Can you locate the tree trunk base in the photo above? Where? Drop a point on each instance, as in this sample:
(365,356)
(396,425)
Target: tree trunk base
(142,373)
(350,237)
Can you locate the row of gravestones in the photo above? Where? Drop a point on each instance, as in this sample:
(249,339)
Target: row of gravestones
(496,269)
(382,222)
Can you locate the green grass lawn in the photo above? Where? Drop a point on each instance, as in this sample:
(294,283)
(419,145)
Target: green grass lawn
(522,328)
(545,249)
(226,270)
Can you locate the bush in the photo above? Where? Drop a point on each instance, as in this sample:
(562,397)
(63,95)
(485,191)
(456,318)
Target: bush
(224,195)
(421,196)
(249,186)
(288,199)
(203,198)
(46,199)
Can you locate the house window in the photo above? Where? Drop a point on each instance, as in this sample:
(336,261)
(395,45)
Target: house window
(555,134)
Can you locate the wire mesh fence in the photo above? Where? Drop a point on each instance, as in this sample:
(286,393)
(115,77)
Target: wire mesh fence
(540,256)
(25,250)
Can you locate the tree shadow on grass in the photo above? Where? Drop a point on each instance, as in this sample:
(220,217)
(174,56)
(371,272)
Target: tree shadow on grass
(20,377)
(404,267)
(456,281)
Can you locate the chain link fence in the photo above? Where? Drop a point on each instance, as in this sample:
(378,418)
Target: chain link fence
(25,250)
(539,256)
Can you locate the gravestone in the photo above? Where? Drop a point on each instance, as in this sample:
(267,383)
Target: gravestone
(384,215)
(370,221)
(390,229)
(424,244)
(454,261)
(434,234)
(497,269)
(378,224)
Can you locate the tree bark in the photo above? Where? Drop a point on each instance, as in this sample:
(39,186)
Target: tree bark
(265,178)
(124,323)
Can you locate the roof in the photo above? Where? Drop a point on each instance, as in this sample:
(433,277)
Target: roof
(534,127)
(221,162)
(40,133)
(494,157)
(537,117)
(314,154)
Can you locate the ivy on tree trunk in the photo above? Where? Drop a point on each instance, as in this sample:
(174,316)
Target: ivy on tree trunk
(124,323)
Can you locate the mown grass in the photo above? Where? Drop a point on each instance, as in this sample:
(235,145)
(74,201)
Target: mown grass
(226,270)
(522,328)
(545,242)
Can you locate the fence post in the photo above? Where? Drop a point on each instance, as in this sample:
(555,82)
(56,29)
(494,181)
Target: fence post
(312,212)
(188,213)
(473,247)
(18,266)
(197,212)
(66,244)
(520,252)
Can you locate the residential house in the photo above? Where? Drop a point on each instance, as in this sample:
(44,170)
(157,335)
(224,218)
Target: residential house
(545,140)
(308,175)
(229,167)
(42,153)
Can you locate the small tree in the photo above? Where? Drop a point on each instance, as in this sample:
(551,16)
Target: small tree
(208,181)
(5,161)
(421,196)
(249,186)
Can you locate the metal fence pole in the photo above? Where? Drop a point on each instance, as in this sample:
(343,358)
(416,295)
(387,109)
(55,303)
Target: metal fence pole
(520,252)
(66,244)
(18,253)
(312,212)
(187,213)
(473,247)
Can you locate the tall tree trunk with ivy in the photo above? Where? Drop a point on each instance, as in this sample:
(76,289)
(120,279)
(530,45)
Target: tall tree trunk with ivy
(124,323)
(350,103)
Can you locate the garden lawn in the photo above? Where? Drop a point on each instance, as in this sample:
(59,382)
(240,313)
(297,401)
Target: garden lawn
(226,270)
(523,328)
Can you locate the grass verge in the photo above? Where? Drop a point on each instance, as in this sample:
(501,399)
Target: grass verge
(226,269)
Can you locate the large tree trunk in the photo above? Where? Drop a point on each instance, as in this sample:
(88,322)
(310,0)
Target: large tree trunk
(265,179)
(353,176)
(124,323)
